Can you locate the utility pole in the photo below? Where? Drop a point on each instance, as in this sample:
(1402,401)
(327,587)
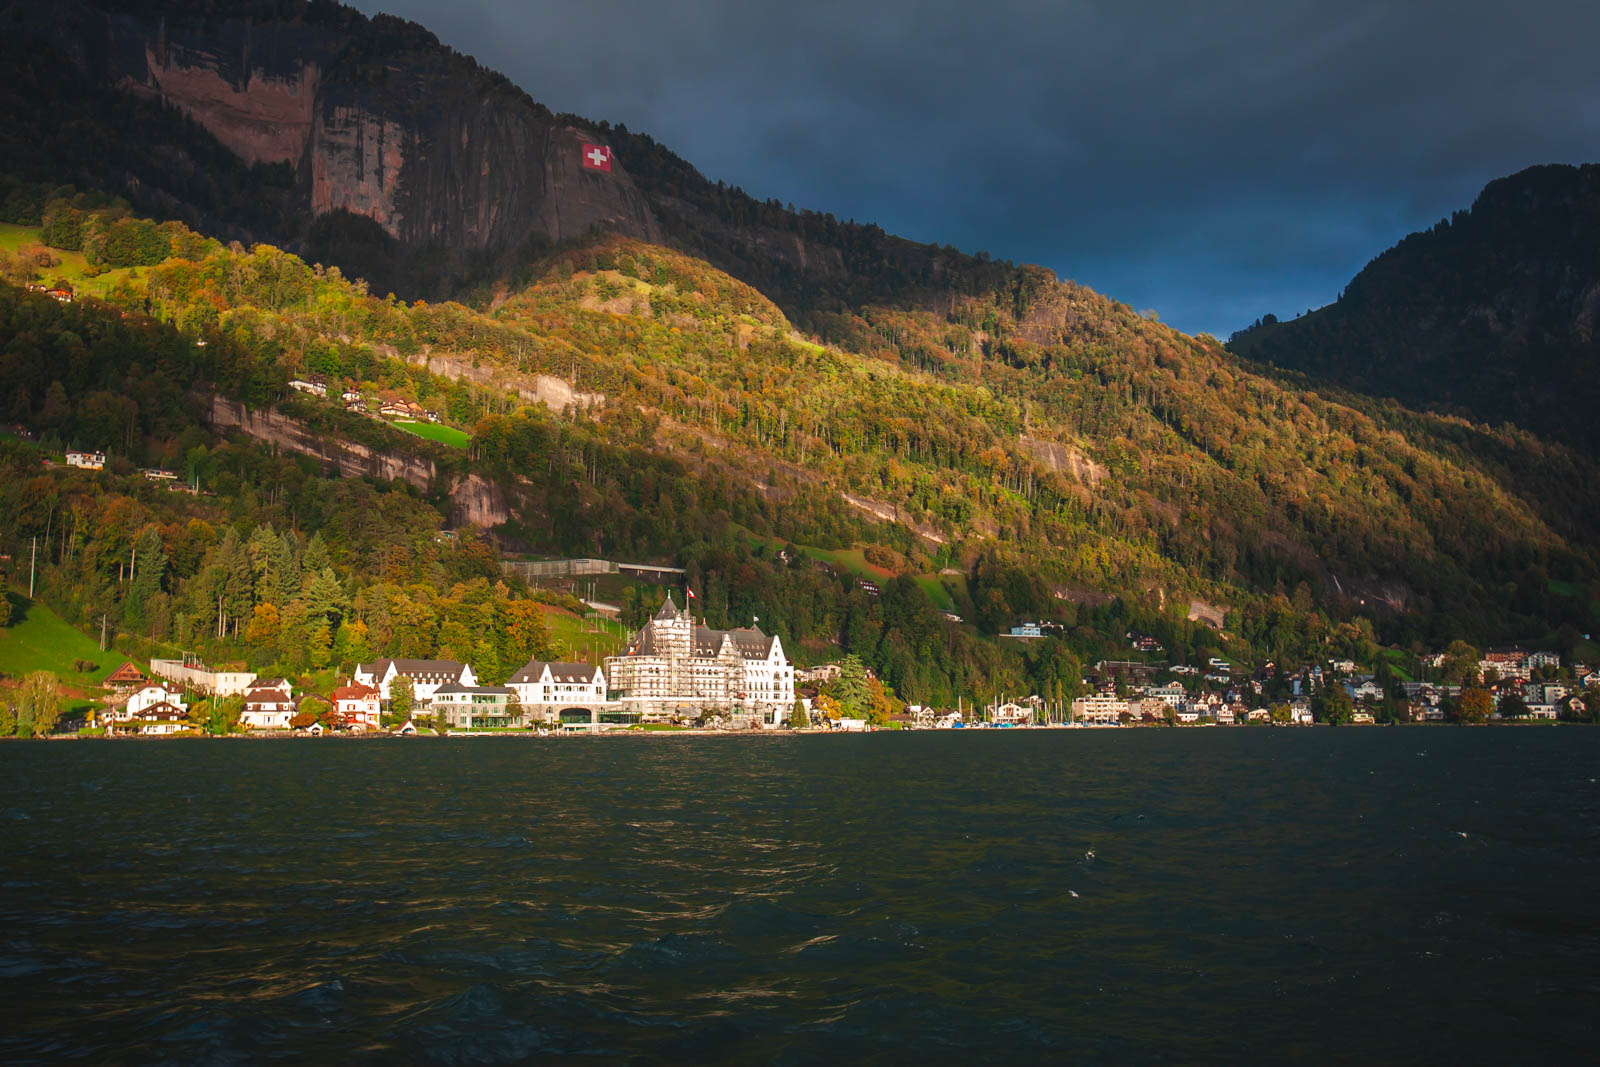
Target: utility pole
(31,561)
(102,632)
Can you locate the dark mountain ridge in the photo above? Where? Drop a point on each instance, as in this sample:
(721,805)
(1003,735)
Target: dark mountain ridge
(1492,313)
(367,143)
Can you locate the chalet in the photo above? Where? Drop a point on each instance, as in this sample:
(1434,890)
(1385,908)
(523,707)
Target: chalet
(314,386)
(358,705)
(393,409)
(60,291)
(426,675)
(949,616)
(543,688)
(869,588)
(350,396)
(1361,718)
(268,705)
(148,696)
(152,720)
(1258,715)
(126,678)
(89,461)
(159,474)
(431,416)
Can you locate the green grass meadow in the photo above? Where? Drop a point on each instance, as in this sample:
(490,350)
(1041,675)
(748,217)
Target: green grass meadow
(432,431)
(39,639)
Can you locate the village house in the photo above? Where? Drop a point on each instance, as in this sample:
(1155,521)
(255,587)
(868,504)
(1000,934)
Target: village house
(426,675)
(314,386)
(1366,690)
(1300,711)
(151,709)
(1010,714)
(268,705)
(157,720)
(125,679)
(1361,717)
(545,688)
(89,461)
(159,474)
(358,706)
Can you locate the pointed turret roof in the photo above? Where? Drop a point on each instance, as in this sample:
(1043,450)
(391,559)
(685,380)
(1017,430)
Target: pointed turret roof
(669,610)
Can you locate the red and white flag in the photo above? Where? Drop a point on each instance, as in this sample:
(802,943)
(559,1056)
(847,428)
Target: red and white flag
(597,157)
(690,592)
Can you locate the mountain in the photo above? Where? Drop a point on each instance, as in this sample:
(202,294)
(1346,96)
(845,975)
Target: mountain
(1492,314)
(693,375)
(368,143)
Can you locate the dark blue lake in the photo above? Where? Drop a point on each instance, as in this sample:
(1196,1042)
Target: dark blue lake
(1365,896)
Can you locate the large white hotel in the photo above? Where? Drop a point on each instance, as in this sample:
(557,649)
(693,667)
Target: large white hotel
(676,666)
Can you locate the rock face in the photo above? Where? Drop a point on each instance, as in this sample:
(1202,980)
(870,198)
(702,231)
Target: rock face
(474,500)
(376,118)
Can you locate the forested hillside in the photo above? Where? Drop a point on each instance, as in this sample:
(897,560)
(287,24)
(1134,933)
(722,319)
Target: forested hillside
(1492,313)
(1054,454)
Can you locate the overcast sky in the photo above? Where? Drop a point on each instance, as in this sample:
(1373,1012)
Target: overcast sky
(1212,161)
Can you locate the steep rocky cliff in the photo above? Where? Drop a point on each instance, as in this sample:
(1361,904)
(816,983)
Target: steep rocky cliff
(374,118)
(367,144)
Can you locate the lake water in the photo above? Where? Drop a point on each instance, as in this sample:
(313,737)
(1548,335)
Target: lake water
(1366,896)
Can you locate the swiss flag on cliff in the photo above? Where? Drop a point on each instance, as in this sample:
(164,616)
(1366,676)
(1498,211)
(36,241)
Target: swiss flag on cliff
(597,157)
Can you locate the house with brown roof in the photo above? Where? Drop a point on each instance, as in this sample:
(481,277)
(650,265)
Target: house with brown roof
(268,705)
(126,678)
(358,706)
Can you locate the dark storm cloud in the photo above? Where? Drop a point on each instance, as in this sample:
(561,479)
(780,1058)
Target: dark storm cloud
(1212,161)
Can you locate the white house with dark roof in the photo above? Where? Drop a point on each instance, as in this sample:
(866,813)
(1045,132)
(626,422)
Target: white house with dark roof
(268,705)
(426,675)
(544,688)
(678,666)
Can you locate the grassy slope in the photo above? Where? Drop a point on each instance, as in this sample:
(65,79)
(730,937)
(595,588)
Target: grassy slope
(73,268)
(447,435)
(38,639)
(571,636)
